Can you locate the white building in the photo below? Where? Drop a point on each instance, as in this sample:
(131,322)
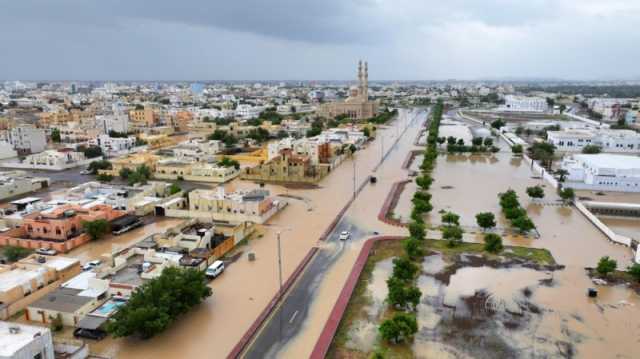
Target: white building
(14,183)
(117,123)
(247,112)
(114,146)
(524,104)
(52,160)
(27,139)
(7,151)
(603,172)
(616,141)
(20,341)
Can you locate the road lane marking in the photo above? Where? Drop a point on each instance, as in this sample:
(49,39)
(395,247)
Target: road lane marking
(293,317)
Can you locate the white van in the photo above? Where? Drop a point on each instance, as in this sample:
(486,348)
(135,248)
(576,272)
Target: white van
(214,269)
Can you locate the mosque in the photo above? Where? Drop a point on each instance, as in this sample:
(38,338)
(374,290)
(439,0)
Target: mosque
(357,106)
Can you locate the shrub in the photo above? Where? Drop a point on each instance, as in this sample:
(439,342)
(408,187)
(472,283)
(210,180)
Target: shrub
(492,243)
(486,220)
(606,265)
(399,328)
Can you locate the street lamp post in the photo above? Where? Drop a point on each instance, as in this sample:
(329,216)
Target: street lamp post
(280,281)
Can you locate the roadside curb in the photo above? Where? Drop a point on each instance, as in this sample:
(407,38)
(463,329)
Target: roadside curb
(331,326)
(239,348)
(390,202)
(410,158)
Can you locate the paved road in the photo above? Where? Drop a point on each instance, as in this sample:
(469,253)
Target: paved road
(287,320)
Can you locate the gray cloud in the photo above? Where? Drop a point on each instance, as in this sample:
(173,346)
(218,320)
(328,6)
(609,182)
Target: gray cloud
(289,39)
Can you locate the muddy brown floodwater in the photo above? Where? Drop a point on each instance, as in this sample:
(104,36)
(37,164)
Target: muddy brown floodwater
(243,291)
(604,327)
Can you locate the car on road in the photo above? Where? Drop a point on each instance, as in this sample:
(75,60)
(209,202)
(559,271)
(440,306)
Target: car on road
(85,172)
(215,269)
(46,251)
(344,235)
(90,265)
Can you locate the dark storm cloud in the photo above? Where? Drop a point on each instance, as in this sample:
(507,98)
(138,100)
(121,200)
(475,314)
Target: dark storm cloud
(321,39)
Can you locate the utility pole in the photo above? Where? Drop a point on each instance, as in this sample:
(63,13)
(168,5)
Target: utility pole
(280,279)
(353,159)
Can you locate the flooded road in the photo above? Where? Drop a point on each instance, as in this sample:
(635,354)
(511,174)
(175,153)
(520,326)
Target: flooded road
(213,328)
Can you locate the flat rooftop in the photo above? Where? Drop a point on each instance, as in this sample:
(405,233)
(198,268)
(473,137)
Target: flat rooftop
(65,300)
(11,343)
(129,274)
(18,277)
(605,160)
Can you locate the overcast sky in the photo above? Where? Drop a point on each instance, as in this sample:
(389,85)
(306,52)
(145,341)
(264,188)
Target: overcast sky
(318,40)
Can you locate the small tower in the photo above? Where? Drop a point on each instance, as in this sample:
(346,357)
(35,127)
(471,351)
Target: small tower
(365,82)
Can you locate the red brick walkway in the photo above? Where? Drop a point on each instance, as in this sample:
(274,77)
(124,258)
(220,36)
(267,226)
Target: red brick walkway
(331,326)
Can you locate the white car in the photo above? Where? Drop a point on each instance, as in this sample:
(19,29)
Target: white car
(344,235)
(85,172)
(215,269)
(46,251)
(90,265)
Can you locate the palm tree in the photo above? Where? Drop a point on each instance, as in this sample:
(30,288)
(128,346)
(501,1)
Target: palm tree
(562,173)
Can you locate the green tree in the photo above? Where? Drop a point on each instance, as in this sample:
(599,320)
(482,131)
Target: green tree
(634,271)
(14,253)
(417,230)
(55,135)
(497,124)
(450,218)
(523,224)
(561,173)
(228,162)
(452,234)
(95,166)
(103,177)
(492,243)
(477,141)
(366,132)
(591,149)
(413,248)
(535,192)
(124,173)
(486,220)
(488,141)
(451,140)
(91,151)
(159,302)
(174,188)
(96,229)
(404,269)
(509,199)
(567,194)
(400,328)
(517,149)
(441,140)
(606,265)
(424,181)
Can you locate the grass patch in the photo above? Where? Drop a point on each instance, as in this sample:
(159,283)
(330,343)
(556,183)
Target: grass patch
(536,255)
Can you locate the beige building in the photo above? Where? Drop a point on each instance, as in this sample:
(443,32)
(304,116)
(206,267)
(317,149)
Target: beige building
(173,169)
(29,279)
(131,162)
(357,106)
(287,167)
(143,117)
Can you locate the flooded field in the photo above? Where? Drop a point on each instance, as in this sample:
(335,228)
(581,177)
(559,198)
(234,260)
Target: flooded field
(496,307)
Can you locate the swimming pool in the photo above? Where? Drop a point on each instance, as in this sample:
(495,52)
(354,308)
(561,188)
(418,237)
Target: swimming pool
(109,307)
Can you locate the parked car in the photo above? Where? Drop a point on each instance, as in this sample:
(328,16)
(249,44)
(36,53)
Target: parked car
(85,172)
(215,269)
(344,236)
(89,334)
(90,265)
(46,251)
